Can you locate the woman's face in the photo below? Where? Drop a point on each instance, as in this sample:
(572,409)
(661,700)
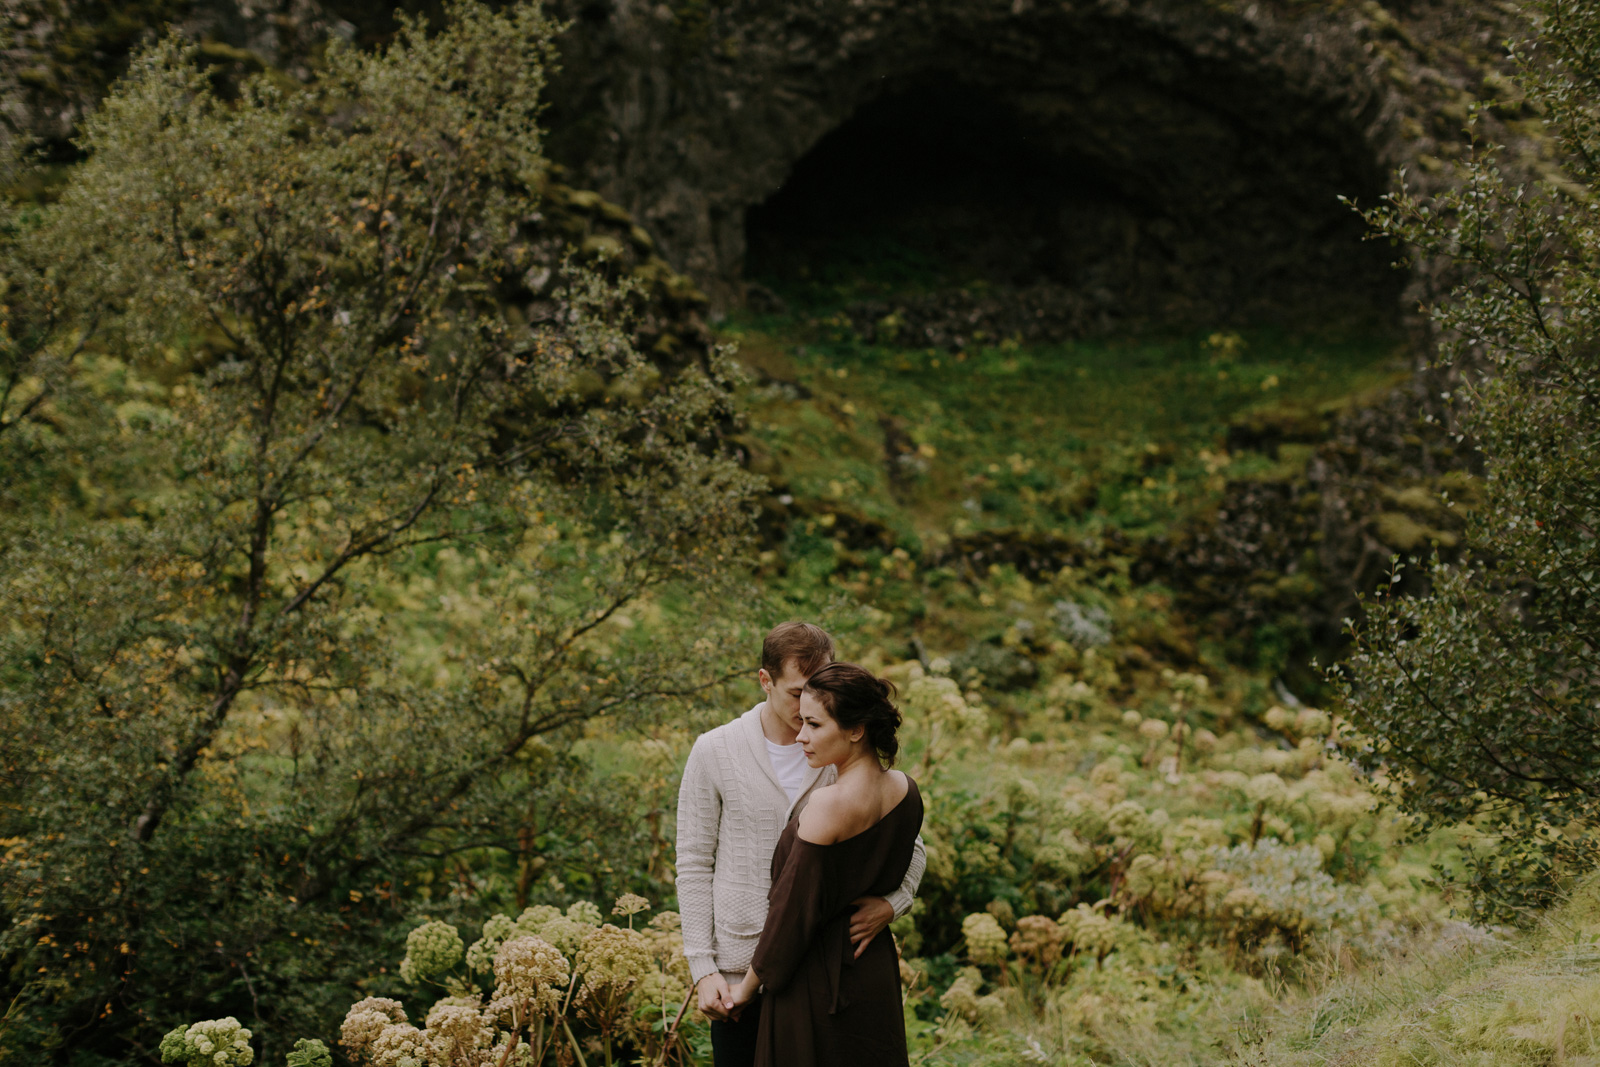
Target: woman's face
(822,739)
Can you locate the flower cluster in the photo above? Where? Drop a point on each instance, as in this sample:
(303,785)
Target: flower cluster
(309,1052)
(611,962)
(961,999)
(555,974)
(530,975)
(1038,939)
(365,1020)
(213,1043)
(986,939)
(432,950)
(1090,931)
(630,904)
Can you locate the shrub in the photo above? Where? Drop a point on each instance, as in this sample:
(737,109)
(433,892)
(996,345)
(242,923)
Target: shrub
(1484,695)
(343,539)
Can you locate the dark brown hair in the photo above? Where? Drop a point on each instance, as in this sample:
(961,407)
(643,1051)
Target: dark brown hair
(809,646)
(854,696)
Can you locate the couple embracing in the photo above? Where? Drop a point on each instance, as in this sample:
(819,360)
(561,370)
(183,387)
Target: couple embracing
(797,846)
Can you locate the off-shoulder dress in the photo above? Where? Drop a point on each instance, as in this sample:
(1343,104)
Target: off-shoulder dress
(822,1007)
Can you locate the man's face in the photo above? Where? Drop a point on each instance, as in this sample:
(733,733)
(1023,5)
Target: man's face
(783,692)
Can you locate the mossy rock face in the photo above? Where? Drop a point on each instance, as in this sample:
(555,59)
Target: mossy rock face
(59,57)
(1355,484)
(1274,107)
(670,319)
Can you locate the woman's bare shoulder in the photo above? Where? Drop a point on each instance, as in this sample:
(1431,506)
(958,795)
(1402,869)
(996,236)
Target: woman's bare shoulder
(823,816)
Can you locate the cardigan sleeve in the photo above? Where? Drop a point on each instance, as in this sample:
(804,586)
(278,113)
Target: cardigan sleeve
(902,898)
(699,819)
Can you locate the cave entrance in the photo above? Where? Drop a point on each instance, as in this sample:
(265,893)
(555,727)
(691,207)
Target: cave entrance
(1127,207)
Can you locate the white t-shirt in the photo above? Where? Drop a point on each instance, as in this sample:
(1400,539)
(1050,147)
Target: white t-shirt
(789,763)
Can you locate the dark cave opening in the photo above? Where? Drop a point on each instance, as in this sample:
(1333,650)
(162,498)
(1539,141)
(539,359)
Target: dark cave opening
(1134,207)
(939,185)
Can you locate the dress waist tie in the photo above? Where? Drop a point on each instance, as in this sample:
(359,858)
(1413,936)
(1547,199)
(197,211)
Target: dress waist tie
(835,957)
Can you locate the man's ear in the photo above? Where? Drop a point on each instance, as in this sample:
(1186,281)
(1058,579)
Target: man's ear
(765,679)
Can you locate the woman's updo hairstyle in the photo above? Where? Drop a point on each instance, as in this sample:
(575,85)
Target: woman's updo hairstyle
(854,696)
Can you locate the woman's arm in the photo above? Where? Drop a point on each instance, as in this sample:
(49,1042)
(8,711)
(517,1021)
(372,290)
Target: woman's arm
(746,990)
(798,907)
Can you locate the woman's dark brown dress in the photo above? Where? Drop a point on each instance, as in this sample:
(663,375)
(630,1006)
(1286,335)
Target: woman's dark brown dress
(822,1007)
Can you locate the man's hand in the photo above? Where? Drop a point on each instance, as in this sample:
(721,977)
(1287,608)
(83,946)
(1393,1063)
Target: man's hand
(715,999)
(872,914)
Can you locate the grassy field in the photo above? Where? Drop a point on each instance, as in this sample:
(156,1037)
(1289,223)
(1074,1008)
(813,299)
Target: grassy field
(1072,439)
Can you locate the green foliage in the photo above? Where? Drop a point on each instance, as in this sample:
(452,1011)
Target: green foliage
(320,552)
(1484,696)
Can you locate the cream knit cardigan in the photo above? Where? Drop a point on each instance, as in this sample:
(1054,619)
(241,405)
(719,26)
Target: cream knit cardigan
(731,812)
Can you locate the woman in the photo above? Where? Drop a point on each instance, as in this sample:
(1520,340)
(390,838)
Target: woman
(824,1006)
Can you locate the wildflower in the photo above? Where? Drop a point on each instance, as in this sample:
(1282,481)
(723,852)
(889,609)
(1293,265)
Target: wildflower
(432,950)
(309,1052)
(991,1010)
(1106,772)
(529,974)
(1153,730)
(986,941)
(1312,723)
(582,911)
(1267,789)
(1038,938)
(1066,856)
(564,934)
(1277,718)
(612,957)
(630,904)
(659,992)
(1128,821)
(399,1045)
(496,931)
(212,1043)
(533,919)
(456,1030)
(1090,932)
(365,1020)
(1205,741)
(665,943)
(962,997)
(1021,791)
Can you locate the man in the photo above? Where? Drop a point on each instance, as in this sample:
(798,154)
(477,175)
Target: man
(743,781)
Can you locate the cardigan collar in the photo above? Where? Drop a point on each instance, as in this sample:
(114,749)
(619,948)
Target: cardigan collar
(756,744)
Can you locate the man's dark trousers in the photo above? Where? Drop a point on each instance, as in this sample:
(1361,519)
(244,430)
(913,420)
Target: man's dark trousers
(734,1044)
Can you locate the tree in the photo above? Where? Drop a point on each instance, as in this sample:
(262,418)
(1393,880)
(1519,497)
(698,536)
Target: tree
(1483,698)
(348,530)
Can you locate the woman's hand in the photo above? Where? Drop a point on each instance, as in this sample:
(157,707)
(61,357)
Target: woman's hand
(745,991)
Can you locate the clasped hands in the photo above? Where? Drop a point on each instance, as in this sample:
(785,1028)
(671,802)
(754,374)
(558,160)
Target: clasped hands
(719,1002)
